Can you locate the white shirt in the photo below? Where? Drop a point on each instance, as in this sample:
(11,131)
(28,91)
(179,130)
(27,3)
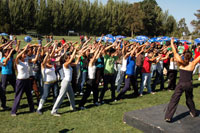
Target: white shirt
(124,64)
(49,74)
(91,72)
(22,69)
(173,65)
(68,73)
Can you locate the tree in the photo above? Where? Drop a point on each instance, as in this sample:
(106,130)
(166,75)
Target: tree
(182,27)
(135,18)
(196,23)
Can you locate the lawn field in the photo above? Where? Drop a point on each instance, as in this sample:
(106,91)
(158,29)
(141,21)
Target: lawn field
(106,118)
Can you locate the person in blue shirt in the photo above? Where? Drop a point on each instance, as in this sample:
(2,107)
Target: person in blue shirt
(6,74)
(130,74)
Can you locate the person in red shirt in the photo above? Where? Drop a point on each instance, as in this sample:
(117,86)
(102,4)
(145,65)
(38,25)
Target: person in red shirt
(146,73)
(197,67)
(63,41)
(186,46)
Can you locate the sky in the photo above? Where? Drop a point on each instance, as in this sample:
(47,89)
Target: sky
(177,8)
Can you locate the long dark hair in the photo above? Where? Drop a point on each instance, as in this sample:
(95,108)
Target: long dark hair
(187,58)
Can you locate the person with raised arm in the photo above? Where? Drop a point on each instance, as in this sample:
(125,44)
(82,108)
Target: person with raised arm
(109,60)
(6,75)
(146,72)
(49,79)
(130,74)
(66,87)
(23,82)
(91,80)
(159,70)
(125,55)
(186,68)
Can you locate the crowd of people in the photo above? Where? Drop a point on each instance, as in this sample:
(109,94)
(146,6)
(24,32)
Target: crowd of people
(70,69)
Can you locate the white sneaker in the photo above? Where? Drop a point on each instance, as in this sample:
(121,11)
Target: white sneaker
(199,78)
(91,93)
(81,93)
(141,95)
(55,114)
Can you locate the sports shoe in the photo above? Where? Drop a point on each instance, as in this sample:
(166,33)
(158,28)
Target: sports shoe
(153,93)
(55,114)
(81,93)
(168,120)
(141,95)
(39,112)
(13,115)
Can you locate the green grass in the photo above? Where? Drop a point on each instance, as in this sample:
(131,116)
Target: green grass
(105,118)
(67,38)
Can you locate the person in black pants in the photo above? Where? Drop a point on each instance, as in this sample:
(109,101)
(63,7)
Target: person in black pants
(91,80)
(184,85)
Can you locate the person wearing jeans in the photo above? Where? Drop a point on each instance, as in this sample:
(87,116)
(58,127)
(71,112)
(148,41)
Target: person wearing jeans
(159,71)
(49,78)
(146,73)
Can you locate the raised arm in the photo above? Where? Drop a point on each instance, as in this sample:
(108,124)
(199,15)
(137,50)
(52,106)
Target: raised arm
(5,61)
(70,60)
(18,45)
(93,58)
(142,50)
(54,47)
(176,55)
(20,54)
(43,64)
(37,55)
(133,51)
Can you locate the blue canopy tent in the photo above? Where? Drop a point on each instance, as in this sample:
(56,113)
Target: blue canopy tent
(152,39)
(183,41)
(137,40)
(196,41)
(3,34)
(142,37)
(120,37)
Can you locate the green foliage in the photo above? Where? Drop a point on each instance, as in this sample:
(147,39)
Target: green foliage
(196,23)
(59,16)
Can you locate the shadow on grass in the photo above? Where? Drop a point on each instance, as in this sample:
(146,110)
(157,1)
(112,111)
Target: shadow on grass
(182,115)
(66,130)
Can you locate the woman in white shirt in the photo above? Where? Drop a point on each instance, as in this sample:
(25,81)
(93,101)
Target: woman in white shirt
(49,79)
(172,74)
(23,82)
(66,87)
(90,86)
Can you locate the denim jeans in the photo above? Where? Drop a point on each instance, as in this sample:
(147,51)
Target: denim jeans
(65,89)
(153,69)
(159,76)
(82,80)
(122,74)
(118,74)
(146,79)
(45,94)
